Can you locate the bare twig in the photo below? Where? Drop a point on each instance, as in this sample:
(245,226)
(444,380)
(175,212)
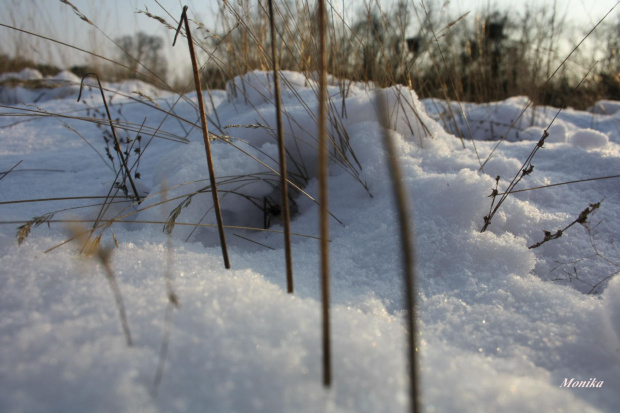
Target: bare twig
(581,219)
(595,286)
(254,242)
(527,168)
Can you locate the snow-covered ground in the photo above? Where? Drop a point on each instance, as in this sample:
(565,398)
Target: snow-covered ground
(501,326)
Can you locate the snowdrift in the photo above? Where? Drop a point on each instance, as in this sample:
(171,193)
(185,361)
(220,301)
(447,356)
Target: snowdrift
(501,325)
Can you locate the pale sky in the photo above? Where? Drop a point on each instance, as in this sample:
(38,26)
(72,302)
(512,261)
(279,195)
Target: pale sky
(117,17)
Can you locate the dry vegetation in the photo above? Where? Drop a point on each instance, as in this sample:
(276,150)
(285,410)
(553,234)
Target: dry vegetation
(473,58)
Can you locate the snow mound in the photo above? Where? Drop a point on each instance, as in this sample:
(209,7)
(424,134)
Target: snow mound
(589,139)
(29,86)
(25,74)
(65,76)
(605,107)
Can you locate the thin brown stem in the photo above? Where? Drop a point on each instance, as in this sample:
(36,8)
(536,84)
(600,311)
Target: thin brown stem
(117,295)
(527,167)
(323,196)
(10,170)
(90,247)
(205,133)
(117,145)
(286,214)
(561,183)
(408,250)
(163,349)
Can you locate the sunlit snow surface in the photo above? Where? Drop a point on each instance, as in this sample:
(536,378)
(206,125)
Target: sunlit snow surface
(501,325)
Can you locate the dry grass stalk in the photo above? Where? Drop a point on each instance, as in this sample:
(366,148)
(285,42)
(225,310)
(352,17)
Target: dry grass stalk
(581,219)
(205,132)
(564,183)
(137,222)
(24,230)
(173,302)
(91,248)
(104,255)
(323,196)
(163,350)
(116,142)
(406,226)
(454,88)
(286,214)
(4,174)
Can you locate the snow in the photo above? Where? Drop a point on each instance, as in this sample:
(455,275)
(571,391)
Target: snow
(605,107)
(30,87)
(589,139)
(25,74)
(501,325)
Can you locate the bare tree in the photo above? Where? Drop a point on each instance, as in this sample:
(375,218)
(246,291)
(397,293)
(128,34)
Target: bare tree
(143,49)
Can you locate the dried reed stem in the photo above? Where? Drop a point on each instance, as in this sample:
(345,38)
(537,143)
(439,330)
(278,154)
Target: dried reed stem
(205,133)
(323,195)
(406,226)
(286,214)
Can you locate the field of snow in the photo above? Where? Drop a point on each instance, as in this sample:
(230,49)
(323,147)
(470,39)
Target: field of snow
(501,325)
